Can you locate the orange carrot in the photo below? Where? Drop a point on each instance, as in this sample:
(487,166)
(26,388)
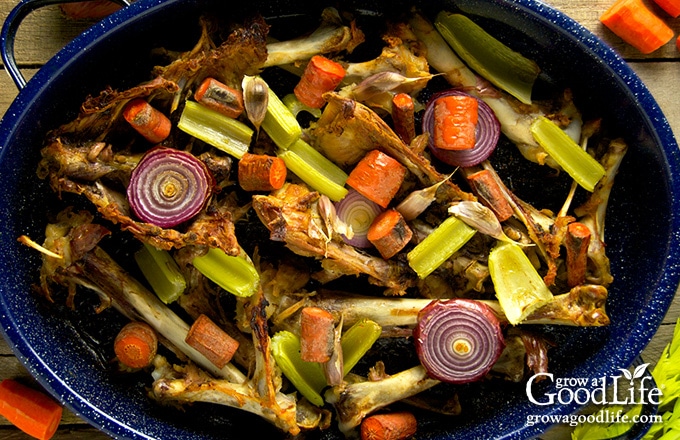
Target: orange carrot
(672,7)
(576,242)
(403,117)
(320,76)
(259,172)
(220,97)
(136,344)
(489,193)
(149,122)
(633,22)
(455,122)
(389,233)
(377,177)
(30,410)
(211,341)
(392,426)
(317,335)
(89,10)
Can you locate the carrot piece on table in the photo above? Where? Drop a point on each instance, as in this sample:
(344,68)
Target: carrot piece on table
(136,344)
(30,410)
(576,242)
(89,10)
(634,23)
(317,334)
(377,177)
(220,97)
(403,116)
(211,341)
(672,7)
(490,194)
(392,426)
(320,76)
(455,122)
(148,121)
(259,172)
(389,233)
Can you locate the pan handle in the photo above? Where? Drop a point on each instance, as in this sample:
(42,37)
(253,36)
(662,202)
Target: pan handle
(10,27)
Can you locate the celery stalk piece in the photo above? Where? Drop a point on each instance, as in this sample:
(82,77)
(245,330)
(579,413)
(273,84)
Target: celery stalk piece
(519,288)
(162,272)
(357,340)
(315,170)
(222,132)
(437,247)
(580,165)
(296,106)
(307,377)
(235,274)
(490,58)
(279,123)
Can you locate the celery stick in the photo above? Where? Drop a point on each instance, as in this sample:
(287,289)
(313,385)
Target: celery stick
(580,165)
(296,106)
(357,340)
(315,170)
(307,377)
(162,273)
(222,132)
(519,288)
(235,274)
(439,246)
(279,123)
(490,58)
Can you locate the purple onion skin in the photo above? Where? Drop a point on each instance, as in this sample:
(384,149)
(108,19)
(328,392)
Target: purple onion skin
(158,207)
(487,133)
(441,323)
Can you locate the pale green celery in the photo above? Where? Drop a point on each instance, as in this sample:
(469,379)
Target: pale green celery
(315,169)
(581,166)
(235,274)
(490,58)
(162,273)
(222,132)
(439,246)
(307,377)
(357,340)
(519,287)
(296,106)
(279,123)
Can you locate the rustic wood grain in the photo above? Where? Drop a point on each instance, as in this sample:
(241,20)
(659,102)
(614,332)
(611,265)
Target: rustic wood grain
(44,32)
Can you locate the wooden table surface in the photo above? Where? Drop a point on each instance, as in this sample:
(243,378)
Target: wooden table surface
(45,31)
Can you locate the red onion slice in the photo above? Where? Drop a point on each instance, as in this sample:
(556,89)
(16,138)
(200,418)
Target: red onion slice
(169,187)
(358,212)
(487,134)
(458,340)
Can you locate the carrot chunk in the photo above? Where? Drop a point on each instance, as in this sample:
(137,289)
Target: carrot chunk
(392,426)
(317,335)
(220,97)
(259,172)
(377,177)
(576,242)
(320,76)
(211,341)
(147,121)
(635,24)
(136,344)
(490,194)
(672,7)
(403,116)
(30,410)
(455,122)
(389,233)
